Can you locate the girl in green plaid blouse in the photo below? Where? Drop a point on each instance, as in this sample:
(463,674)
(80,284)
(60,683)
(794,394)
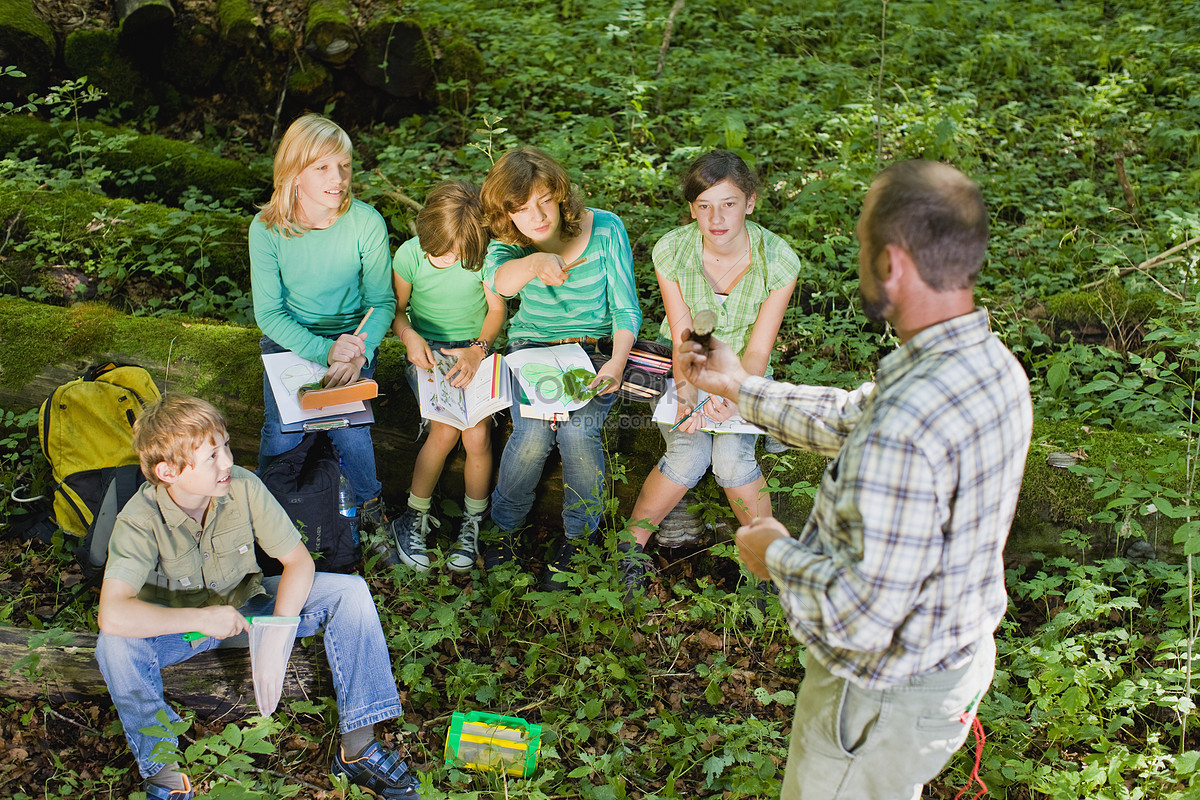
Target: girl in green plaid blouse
(745,274)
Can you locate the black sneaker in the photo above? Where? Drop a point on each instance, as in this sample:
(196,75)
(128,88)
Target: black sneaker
(410,530)
(634,568)
(501,550)
(466,549)
(380,771)
(561,563)
(372,515)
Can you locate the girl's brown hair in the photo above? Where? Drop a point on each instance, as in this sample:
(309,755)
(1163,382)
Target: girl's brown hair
(452,221)
(310,138)
(511,182)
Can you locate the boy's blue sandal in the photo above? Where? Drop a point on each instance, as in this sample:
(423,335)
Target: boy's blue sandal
(156,791)
(381,772)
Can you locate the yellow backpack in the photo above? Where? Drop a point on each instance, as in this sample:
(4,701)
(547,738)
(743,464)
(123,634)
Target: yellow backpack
(86,432)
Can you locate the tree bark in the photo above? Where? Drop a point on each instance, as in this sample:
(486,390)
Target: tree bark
(145,23)
(211,684)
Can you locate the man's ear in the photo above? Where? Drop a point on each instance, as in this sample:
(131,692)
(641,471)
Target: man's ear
(165,472)
(899,266)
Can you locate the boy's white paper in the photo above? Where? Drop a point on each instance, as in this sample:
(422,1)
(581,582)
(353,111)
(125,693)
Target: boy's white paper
(287,372)
(540,371)
(668,408)
(488,392)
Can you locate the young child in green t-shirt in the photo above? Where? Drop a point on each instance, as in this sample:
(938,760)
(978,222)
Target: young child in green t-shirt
(445,312)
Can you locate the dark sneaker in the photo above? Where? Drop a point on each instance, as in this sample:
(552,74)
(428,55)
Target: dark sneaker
(466,549)
(561,563)
(156,791)
(381,772)
(633,568)
(502,550)
(410,530)
(372,516)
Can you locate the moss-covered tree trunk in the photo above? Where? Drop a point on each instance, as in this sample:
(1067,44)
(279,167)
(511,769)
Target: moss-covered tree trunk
(329,32)
(26,43)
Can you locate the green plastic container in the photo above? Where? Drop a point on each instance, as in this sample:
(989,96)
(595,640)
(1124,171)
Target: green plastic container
(493,743)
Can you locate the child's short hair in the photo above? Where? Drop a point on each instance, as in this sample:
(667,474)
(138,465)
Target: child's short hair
(511,181)
(452,221)
(172,429)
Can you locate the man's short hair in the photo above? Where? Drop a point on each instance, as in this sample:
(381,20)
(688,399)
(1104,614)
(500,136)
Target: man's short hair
(452,221)
(172,429)
(935,213)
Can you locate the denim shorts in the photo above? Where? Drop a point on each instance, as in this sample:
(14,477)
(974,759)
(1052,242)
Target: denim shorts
(689,455)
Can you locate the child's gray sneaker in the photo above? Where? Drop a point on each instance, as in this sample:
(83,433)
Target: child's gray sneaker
(410,531)
(466,549)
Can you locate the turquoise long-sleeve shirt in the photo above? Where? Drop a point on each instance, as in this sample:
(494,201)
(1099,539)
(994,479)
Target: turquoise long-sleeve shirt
(598,300)
(310,289)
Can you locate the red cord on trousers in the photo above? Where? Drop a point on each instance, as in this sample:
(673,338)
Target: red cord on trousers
(976,726)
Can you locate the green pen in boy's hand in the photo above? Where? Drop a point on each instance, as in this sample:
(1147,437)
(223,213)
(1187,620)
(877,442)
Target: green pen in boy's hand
(192,636)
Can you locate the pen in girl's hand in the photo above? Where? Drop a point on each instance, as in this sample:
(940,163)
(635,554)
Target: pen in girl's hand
(699,406)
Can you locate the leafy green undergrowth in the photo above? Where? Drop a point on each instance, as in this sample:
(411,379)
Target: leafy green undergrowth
(688,694)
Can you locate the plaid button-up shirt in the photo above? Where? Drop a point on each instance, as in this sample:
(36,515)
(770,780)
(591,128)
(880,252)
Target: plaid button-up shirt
(899,569)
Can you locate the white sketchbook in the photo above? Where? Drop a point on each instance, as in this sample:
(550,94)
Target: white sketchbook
(546,387)
(488,392)
(668,406)
(287,372)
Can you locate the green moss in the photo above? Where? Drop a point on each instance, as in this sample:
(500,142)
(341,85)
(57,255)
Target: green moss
(238,23)
(171,166)
(30,43)
(282,40)
(96,54)
(330,22)
(314,81)
(195,59)
(116,240)
(1109,307)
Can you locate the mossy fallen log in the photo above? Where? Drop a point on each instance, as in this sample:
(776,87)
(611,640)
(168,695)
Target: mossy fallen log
(141,166)
(97,54)
(61,667)
(138,254)
(27,43)
(329,32)
(239,25)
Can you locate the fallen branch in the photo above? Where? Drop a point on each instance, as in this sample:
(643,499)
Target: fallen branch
(1165,257)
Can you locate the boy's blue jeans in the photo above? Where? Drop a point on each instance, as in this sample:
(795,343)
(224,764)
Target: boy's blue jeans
(580,442)
(340,605)
(353,444)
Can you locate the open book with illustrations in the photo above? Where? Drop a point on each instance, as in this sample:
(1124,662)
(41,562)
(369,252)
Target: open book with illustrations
(667,407)
(554,380)
(488,392)
(288,374)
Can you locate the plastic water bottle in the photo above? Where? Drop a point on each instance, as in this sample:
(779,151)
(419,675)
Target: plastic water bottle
(346,505)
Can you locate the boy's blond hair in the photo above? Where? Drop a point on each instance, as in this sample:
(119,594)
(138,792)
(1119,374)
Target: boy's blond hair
(172,429)
(452,221)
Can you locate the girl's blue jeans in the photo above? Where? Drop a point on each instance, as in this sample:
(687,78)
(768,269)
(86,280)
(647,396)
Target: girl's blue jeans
(354,445)
(580,442)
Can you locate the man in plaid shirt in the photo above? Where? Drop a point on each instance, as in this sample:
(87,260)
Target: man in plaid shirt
(896,583)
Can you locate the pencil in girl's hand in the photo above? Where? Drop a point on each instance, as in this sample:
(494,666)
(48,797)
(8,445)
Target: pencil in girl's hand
(576,262)
(366,317)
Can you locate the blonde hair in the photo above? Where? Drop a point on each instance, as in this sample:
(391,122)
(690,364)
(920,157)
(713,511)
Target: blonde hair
(452,221)
(171,430)
(511,181)
(310,138)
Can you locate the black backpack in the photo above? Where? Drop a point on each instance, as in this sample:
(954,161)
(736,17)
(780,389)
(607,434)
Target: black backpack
(120,485)
(305,482)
